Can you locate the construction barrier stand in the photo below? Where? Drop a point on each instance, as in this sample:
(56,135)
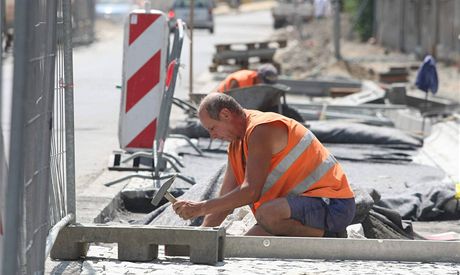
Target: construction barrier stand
(144,71)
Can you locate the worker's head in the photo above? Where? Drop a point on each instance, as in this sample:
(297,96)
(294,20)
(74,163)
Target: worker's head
(222,116)
(267,73)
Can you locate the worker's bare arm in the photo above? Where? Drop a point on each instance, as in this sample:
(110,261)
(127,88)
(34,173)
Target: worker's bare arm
(228,184)
(257,165)
(260,148)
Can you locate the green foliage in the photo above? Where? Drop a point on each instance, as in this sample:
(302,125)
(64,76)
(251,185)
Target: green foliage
(364,25)
(350,6)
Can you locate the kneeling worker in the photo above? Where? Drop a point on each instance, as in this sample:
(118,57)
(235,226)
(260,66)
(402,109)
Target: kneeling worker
(266,73)
(293,184)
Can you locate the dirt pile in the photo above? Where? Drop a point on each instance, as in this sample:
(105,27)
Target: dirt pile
(310,53)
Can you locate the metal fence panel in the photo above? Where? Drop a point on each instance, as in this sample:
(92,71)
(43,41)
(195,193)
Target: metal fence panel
(388,20)
(411,26)
(40,88)
(3,166)
(420,26)
(449,29)
(428,26)
(27,207)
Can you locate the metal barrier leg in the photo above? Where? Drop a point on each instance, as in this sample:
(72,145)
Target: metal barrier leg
(188,108)
(186,138)
(168,160)
(126,178)
(174,158)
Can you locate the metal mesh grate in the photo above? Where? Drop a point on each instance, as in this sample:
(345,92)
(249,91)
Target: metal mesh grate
(58,142)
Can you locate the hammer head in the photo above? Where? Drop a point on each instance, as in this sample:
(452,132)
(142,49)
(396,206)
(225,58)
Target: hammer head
(163,189)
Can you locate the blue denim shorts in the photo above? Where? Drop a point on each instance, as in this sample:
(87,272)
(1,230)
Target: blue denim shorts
(333,215)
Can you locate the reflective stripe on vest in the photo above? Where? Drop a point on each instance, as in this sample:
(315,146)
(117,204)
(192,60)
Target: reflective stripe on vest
(314,176)
(287,161)
(290,158)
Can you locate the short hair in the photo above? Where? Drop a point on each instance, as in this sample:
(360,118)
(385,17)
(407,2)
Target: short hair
(214,102)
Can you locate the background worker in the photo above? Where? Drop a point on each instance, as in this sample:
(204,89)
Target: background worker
(266,73)
(294,186)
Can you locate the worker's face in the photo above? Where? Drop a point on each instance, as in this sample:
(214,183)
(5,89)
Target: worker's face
(222,128)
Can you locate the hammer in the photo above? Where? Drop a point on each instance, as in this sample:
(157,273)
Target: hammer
(163,192)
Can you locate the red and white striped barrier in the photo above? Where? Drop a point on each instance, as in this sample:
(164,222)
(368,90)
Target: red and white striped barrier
(144,65)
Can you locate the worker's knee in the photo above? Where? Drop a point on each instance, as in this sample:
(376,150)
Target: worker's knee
(264,216)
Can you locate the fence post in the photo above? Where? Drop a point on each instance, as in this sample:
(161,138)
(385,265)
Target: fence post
(434,46)
(69,109)
(3,169)
(402,38)
(337,29)
(15,183)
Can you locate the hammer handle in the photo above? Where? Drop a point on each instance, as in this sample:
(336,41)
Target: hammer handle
(170,197)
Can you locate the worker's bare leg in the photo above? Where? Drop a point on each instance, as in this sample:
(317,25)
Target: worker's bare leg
(274,218)
(215,219)
(228,184)
(257,230)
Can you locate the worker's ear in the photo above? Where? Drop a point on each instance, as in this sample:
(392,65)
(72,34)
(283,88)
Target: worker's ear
(225,114)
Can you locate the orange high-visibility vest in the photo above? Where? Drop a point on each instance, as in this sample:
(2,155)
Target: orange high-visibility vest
(245,78)
(304,167)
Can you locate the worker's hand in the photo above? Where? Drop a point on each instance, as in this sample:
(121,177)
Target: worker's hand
(189,209)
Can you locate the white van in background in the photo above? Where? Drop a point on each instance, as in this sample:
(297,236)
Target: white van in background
(285,12)
(202,14)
